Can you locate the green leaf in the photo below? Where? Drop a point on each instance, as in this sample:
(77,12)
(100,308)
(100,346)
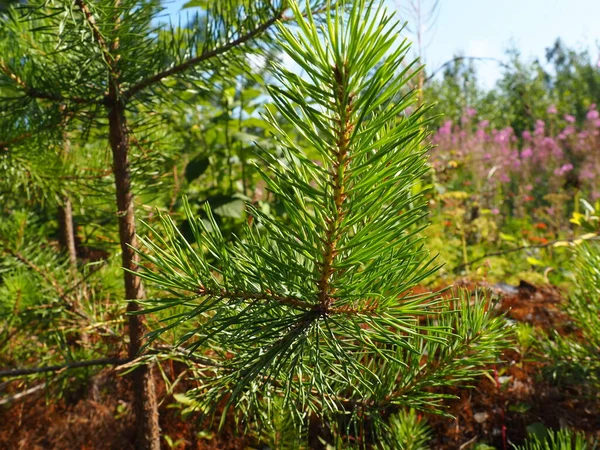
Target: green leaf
(234,209)
(196,167)
(204,4)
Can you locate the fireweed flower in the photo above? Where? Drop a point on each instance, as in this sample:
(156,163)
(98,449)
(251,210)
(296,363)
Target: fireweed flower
(537,161)
(540,128)
(552,109)
(527,153)
(565,168)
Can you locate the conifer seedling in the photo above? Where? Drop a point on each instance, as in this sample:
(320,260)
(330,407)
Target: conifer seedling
(314,311)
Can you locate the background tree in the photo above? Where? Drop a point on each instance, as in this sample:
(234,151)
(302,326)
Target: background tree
(421,16)
(67,68)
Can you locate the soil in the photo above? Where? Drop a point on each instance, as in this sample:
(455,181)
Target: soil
(96,414)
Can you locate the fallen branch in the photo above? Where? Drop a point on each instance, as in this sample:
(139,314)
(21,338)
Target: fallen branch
(526,247)
(22,394)
(123,363)
(74,365)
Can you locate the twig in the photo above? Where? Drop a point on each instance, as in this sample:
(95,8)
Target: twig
(525,247)
(469,442)
(74,365)
(89,17)
(184,353)
(4,145)
(287,300)
(35,93)
(66,116)
(22,394)
(464,58)
(71,304)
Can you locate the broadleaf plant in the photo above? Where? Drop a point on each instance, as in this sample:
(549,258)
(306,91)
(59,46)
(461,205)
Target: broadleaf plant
(317,308)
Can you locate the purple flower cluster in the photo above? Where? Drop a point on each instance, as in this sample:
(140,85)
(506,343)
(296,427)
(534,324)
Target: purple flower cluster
(556,155)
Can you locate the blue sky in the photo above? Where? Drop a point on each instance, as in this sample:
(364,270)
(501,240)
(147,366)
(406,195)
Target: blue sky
(486,28)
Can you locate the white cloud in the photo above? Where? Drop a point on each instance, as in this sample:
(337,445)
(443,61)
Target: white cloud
(478,47)
(488,71)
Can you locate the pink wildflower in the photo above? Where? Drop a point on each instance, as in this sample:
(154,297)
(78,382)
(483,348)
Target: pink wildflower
(527,153)
(563,169)
(592,114)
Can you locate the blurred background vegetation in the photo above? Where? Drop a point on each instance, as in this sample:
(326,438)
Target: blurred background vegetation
(513,194)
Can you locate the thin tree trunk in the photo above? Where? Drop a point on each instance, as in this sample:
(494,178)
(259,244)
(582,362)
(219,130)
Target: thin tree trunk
(65,215)
(67,230)
(145,405)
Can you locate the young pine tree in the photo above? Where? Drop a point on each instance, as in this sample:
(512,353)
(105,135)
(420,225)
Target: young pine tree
(315,312)
(576,360)
(68,67)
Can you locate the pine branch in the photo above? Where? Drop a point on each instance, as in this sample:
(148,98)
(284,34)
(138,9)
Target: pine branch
(135,89)
(68,300)
(5,145)
(67,115)
(35,93)
(257,296)
(320,312)
(91,21)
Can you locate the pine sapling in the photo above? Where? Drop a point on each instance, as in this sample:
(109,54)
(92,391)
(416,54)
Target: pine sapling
(314,311)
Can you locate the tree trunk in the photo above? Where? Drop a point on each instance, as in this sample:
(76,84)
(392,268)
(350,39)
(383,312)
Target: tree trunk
(67,230)
(145,405)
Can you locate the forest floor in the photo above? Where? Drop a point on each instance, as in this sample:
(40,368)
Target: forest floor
(498,410)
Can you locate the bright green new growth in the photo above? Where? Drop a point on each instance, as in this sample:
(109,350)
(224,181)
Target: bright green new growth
(558,440)
(317,309)
(577,360)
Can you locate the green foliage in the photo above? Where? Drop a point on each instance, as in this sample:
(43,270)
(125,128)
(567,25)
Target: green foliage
(577,359)
(558,440)
(567,79)
(407,432)
(456,91)
(47,309)
(317,309)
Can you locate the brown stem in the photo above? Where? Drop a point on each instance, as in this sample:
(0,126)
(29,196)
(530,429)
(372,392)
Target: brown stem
(65,213)
(91,21)
(67,230)
(145,404)
(337,173)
